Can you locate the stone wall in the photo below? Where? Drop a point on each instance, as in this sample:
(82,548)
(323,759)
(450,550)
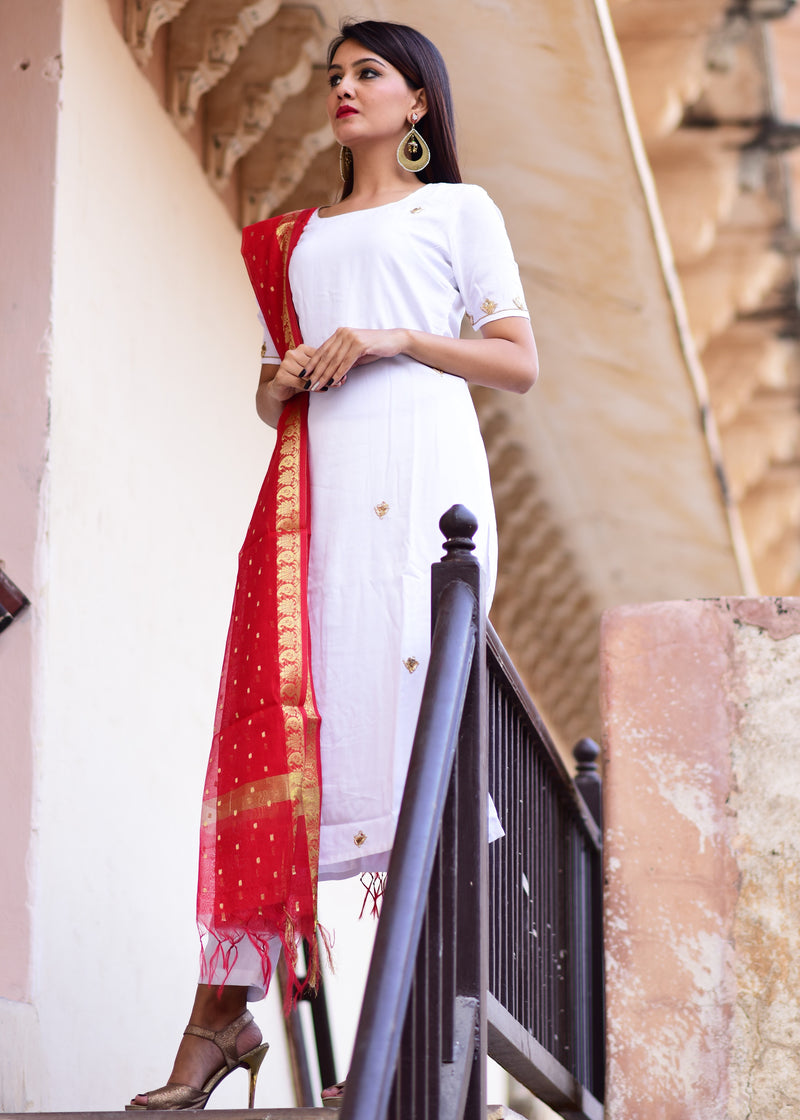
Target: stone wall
(702,723)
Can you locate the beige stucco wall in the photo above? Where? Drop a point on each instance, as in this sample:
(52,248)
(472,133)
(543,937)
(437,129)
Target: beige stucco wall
(702,801)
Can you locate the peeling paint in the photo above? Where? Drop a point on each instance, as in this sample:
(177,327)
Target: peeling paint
(688,792)
(702,795)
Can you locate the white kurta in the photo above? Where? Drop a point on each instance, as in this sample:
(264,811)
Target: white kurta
(390,451)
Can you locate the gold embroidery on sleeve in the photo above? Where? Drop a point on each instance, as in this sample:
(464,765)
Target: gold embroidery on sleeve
(491,307)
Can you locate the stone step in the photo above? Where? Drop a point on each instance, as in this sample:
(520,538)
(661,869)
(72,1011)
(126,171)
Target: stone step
(494,1112)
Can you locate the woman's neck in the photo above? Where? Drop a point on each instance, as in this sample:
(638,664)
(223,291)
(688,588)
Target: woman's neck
(377,178)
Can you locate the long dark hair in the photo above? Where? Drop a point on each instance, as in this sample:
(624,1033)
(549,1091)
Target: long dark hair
(422,66)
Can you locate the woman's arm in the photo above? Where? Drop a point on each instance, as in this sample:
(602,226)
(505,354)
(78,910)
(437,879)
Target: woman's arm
(504,358)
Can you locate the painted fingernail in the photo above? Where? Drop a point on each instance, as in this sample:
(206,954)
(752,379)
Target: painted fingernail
(307,382)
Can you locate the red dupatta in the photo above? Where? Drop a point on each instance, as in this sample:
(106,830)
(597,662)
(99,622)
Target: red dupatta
(259,837)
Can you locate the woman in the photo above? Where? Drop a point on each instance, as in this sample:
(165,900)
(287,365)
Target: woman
(379,282)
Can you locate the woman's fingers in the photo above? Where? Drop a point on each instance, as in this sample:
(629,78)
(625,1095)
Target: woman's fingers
(332,360)
(291,376)
(315,369)
(344,349)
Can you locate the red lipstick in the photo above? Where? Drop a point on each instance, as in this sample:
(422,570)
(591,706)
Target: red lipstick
(345,111)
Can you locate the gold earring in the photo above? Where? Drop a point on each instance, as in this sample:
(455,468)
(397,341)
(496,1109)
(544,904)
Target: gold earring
(413,153)
(345,164)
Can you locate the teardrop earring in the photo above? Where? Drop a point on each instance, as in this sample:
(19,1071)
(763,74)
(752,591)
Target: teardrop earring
(413,153)
(345,164)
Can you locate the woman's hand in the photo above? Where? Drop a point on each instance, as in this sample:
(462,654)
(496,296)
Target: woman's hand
(348,347)
(292,376)
(278,384)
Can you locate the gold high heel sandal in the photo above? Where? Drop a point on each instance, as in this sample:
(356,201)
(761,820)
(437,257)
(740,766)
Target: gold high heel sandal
(177,1098)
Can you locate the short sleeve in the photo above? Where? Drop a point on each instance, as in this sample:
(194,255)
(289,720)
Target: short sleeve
(483,260)
(269,353)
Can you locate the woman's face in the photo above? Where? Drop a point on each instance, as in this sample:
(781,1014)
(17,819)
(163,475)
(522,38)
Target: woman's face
(369,99)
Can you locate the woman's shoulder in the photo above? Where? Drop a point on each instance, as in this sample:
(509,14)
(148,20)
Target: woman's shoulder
(458,192)
(463,200)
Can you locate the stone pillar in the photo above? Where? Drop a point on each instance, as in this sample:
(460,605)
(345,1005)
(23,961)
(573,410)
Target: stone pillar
(701,706)
(30,70)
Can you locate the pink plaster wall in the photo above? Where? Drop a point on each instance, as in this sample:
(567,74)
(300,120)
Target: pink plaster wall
(30,67)
(700,702)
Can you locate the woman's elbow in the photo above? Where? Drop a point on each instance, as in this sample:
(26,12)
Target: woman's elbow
(527,356)
(529,369)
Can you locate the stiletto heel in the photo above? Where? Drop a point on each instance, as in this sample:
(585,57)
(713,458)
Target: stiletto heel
(178,1098)
(256,1057)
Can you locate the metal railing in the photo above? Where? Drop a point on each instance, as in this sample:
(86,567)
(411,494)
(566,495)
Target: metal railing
(478,952)
(545,998)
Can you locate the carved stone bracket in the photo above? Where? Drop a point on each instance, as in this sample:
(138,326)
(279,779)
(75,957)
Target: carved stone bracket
(261,203)
(257,111)
(208,52)
(143,18)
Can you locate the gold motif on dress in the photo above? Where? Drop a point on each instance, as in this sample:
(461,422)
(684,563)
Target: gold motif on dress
(411,664)
(489,306)
(382,509)
(359,839)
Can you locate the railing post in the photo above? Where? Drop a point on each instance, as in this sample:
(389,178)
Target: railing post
(471,943)
(587,777)
(590,786)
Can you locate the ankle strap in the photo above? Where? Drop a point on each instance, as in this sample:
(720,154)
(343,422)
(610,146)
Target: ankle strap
(224,1039)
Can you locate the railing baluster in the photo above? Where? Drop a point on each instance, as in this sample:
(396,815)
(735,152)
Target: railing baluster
(545,980)
(451,933)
